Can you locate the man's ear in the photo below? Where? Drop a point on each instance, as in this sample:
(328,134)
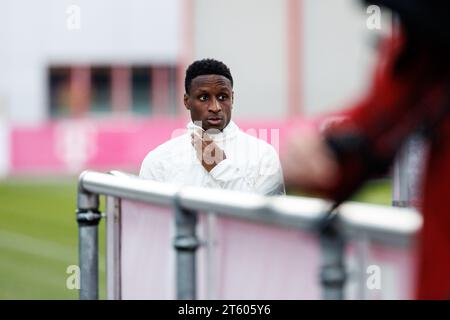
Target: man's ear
(185,100)
(232,98)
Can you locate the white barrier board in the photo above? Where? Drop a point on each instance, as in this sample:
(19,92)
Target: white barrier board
(243,260)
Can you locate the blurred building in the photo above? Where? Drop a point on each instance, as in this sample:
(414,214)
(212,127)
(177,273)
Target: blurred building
(101,61)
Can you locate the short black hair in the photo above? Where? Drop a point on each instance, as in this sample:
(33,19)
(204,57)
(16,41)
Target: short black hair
(204,67)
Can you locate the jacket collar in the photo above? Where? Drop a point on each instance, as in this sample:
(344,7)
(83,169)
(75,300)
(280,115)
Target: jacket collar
(229,132)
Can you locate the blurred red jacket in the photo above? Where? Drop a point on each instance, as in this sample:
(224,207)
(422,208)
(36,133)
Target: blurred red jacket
(410,92)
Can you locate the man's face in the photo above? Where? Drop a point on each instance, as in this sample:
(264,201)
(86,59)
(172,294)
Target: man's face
(210,101)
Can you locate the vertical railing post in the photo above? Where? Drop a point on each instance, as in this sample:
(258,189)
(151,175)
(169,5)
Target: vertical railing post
(185,244)
(88,217)
(408,171)
(332,273)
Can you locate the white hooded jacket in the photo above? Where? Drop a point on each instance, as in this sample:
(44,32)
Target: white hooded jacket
(251,164)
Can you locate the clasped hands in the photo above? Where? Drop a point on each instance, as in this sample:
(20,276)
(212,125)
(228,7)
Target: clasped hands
(207,151)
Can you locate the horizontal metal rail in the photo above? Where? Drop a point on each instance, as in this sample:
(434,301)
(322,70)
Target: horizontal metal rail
(395,226)
(392,226)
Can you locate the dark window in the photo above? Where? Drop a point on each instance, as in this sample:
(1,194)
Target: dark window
(59,87)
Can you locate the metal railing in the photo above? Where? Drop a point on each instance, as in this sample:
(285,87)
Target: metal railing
(389,225)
